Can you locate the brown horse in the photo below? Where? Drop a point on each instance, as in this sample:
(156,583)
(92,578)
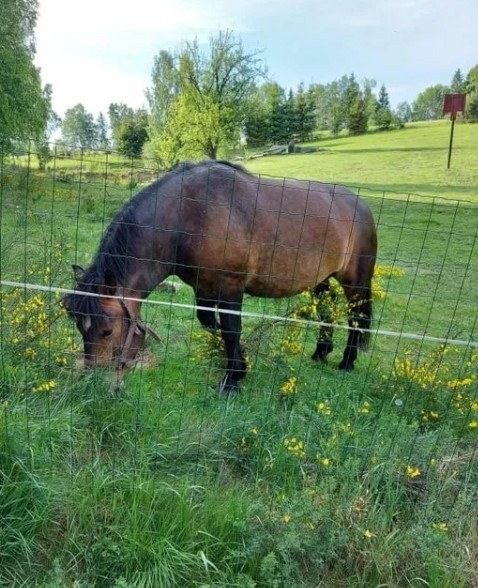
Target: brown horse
(226,233)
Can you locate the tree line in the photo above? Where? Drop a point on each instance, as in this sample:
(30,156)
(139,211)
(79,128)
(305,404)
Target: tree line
(200,102)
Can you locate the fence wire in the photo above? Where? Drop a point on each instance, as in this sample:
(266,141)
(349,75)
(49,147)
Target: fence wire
(399,432)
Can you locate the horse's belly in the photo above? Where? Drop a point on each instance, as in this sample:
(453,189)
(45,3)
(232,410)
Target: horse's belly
(283,272)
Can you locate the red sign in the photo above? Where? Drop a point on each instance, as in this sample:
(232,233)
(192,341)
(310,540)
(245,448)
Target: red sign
(453,103)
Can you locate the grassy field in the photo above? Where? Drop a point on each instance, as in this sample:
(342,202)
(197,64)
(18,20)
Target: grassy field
(310,477)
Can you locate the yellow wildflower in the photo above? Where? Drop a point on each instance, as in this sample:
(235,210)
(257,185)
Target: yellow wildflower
(324,408)
(413,472)
(365,408)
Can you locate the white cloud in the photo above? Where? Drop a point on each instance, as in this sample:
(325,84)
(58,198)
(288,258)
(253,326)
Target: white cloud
(98,51)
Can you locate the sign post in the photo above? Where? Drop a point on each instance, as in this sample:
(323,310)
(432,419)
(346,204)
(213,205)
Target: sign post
(452,104)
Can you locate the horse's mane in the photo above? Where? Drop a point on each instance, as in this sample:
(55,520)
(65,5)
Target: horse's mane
(117,245)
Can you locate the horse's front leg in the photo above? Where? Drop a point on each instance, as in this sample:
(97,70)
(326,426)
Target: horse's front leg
(231,334)
(207,318)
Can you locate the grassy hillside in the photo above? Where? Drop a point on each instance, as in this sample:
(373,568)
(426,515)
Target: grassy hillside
(310,477)
(410,160)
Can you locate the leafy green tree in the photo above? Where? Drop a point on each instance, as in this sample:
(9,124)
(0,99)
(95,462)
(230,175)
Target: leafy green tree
(24,104)
(458,83)
(53,123)
(165,89)
(330,108)
(317,93)
(305,114)
(102,139)
(118,113)
(214,87)
(276,111)
(369,85)
(132,134)
(289,118)
(256,119)
(354,107)
(79,129)
(404,112)
(428,105)
(472,80)
(471,112)
(383,112)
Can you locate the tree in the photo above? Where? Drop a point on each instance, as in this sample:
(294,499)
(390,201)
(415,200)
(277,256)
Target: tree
(383,113)
(166,84)
(24,106)
(354,107)
(472,80)
(79,128)
(331,115)
(256,119)
(404,112)
(429,104)
(132,134)
(458,82)
(53,123)
(305,115)
(471,87)
(276,125)
(368,85)
(102,139)
(214,88)
(118,113)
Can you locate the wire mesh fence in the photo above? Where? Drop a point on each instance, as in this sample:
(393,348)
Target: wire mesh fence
(325,459)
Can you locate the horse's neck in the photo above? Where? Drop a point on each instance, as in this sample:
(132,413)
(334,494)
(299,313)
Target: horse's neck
(142,282)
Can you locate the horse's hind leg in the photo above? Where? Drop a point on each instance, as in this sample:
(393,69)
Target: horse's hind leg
(359,297)
(231,334)
(324,342)
(207,318)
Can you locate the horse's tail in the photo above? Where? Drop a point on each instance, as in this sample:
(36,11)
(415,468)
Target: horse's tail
(364,319)
(363,310)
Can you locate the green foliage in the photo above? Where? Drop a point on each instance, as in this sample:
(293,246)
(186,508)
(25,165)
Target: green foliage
(404,112)
(24,105)
(203,96)
(131,134)
(471,112)
(429,104)
(472,80)
(102,139)
(309,476)
(23,506)
(458,83)
(383,113)
(78,128)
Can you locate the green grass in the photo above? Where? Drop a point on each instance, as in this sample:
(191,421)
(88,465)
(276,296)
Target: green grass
(359,479)
(410,160)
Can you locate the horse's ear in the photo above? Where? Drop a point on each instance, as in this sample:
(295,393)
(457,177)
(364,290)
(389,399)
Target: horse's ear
(78,272)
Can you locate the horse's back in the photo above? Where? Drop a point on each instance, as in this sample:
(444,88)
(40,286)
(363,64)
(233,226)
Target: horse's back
(273,237)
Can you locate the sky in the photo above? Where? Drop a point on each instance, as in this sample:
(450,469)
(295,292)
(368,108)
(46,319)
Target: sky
(101,51)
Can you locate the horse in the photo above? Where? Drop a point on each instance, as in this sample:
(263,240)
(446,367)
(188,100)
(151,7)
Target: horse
(226,233)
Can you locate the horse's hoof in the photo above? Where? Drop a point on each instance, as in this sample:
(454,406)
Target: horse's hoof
(225,388)
(345,367)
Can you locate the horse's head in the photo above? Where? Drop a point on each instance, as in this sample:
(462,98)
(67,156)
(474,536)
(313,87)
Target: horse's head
(110,326)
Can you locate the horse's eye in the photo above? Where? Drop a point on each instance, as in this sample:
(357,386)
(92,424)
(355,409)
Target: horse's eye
(105,334)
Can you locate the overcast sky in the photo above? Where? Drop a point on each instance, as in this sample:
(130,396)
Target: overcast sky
(101,51)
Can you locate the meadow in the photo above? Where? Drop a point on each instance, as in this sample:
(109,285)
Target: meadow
(310,477)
